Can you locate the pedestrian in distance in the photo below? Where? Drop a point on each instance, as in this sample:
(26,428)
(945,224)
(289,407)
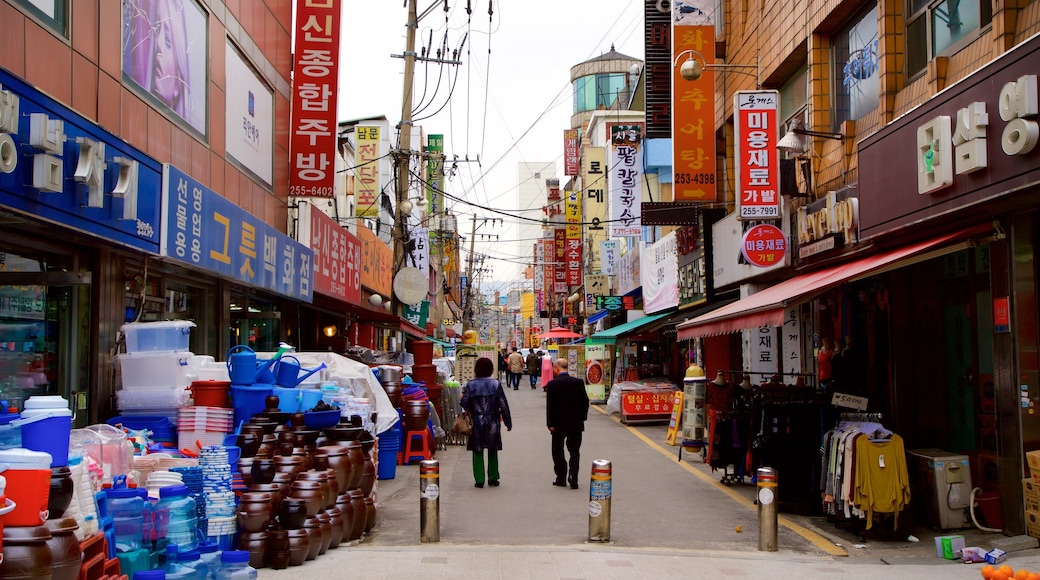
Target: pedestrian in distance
(547,369)
(485,401)
(534,367)
(516,368)
(503,368)
(566,409)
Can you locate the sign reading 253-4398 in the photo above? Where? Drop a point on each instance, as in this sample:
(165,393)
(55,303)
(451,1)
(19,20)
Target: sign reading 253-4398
(205,230)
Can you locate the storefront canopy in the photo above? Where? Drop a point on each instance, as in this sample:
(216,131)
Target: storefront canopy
(597,317)
(384,320)
(766,308)
(612,334)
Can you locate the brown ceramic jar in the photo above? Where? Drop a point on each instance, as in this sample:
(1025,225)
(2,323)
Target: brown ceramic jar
(64,547)
(357,504)
(26,555)
(336,520)
(313,527)
(254,511)
(278,548)
(326,531)
(256,544)
(290,464)
(346,511)
(368,477)
(319,461)
(245,467)
(357,457)
(323,479)
(262,470)
(274,489)
(339,460)
(292,512)
(299,546)
(61,492)
(310,491)
(306,457)
(370,514)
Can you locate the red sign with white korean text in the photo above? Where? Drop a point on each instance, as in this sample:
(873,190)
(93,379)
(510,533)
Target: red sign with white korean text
(1001,315)
(764,245)
(570,152)
(755,154)
(646,403)
(693,108)
(337,259)
(312,138)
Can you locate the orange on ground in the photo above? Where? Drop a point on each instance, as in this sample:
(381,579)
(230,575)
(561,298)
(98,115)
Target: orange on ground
(987,571)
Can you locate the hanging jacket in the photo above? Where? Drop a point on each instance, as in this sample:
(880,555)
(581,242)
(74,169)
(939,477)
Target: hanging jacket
(486,402)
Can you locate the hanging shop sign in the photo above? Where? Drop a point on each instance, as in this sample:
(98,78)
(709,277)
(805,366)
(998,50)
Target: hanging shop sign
(203,229)
(58,166)
(573,243)
(764,245)
(377,259)
(249,117)
(596,285)
(337,255)
(435,174)
(312,138)
(693,105)
(628,277)
(367,186)
(570,152)
(417,314)
(689,246)
(626,179)
(559,261)
(658,275)
(609,256)
(615,303)
(829,223)
(755,154)
(974,142)
(594,206)
(657,69)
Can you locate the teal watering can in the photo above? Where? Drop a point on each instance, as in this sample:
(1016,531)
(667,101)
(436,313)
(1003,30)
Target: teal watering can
(245,369)
(288,372)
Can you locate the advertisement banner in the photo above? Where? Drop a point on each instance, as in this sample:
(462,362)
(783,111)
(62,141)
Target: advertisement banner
(628,270)
(572,213)
(609,256)
(594,212)
(693,103)
(337,258)
(451,267)
(417,314)
(548,268)
(657,46)
(596,285)
(435,174)
(249,117)
(755,154)
(367,186)
(560,261)
(205,230)
(690,260)
(417,252)
(312,134)
(377,261)
(164,56)
(659,275)
(570,152)
(625,179)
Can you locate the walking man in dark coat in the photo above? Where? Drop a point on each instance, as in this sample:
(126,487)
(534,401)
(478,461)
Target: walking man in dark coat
(566,409)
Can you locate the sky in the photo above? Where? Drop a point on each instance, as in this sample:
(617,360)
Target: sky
(511,99)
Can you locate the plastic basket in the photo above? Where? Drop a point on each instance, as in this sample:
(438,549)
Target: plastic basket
(191,439)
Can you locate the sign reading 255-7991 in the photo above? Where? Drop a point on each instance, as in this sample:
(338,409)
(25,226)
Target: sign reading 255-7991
(205,230)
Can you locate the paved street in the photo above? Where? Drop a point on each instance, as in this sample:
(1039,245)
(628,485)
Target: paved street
(669,519)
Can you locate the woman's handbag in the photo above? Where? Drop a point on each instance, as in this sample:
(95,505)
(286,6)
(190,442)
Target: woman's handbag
(464,424)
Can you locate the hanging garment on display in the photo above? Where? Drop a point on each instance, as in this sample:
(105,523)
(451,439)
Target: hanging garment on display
(863,467)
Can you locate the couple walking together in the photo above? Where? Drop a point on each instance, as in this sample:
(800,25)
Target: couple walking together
(566,409)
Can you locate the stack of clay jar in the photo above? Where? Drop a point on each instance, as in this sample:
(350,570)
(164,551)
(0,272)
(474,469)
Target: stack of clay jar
(307,489)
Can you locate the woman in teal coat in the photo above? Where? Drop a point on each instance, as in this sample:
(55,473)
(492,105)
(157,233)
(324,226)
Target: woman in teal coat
(485,400)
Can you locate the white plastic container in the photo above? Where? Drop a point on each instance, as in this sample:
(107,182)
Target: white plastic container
(213,371)
(155,370)
(164,336)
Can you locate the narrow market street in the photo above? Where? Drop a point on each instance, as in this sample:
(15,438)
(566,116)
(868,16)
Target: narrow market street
(667,516)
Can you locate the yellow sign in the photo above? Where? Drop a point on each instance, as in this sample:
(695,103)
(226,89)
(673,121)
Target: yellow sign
(367,187)
(674,423)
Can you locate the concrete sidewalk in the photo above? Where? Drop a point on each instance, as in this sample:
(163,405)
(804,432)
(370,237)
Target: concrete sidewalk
(669,519)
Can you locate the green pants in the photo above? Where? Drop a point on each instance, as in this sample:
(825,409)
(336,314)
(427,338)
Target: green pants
(478,465)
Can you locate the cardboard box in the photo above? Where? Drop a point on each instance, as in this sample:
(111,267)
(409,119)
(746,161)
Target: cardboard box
(1033,523)
(973,555)
(1031,489)
(949,547)
(1033,460)
(995,556)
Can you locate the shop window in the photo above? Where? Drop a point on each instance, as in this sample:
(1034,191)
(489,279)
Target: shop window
(855,59)
(941,27)
(255,323)
(53,13)
(598,91)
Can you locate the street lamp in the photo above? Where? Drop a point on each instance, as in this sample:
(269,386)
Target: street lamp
(792,142)
(693,67)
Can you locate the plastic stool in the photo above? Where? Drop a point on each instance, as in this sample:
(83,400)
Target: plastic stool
(409,452)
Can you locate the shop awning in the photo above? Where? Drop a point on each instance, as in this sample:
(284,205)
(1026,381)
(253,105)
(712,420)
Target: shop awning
(767,306)
(612,334)
(384,320)
(597,317)
(440,343)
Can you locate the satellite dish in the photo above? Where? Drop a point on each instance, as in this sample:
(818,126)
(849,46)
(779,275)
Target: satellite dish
(411,286)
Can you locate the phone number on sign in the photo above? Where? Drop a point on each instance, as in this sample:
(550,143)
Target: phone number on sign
(312,191)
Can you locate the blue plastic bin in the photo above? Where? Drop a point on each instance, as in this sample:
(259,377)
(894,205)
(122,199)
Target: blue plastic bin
(249,400)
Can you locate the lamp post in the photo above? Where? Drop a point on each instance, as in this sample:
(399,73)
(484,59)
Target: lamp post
(693,67)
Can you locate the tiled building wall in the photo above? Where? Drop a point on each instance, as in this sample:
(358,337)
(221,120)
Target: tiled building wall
(83,72)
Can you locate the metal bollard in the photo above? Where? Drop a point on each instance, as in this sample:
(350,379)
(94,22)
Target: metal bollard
(599,501)
(767,506)
(429,501)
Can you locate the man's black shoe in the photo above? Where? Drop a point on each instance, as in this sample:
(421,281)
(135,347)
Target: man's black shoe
(560,483)
(479,484)
(574,484)
(493,483)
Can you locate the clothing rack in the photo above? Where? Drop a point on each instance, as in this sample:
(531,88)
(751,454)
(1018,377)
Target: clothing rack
(863,417)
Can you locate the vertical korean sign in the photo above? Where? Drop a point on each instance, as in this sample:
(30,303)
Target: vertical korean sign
(337,258)
(367,186)
(572,211)
(435,174)
(755,155)
(693,103)
(625,179)
(570,152)
(560,261)
(312,142)
(549,269)
(594,210)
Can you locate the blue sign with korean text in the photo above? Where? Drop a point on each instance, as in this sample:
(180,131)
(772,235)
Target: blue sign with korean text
(203,229)
(61,167)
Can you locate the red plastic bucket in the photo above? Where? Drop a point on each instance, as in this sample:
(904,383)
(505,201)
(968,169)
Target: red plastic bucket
(211,393)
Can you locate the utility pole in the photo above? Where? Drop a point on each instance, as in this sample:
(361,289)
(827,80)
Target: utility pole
(469,313)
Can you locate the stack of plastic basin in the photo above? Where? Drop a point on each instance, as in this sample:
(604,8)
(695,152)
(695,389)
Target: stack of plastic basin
(388,445)
(202,425)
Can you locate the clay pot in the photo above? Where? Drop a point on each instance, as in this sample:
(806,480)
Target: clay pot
(326,531)
(357,457)
(357,504)
(26,555)
(297,419)
(336,521)
(262,470)
(249,443)
(266,425)
(275,490)
(368,477)
(254,511)
(339,461)
(313,527)
(370,514)
(251,428)
(352,421)
(320,462)
(291,464)
(321,477)
(60,493)
(305,457)
(271,404)
(368,441)
(343,433)
(416,415)
(394,392)
(278,548)
(280,418)
(256,544)
(284,479)
(346,511)
(292,512)
(299,546)
(64,547)
(310,492)
(305,437)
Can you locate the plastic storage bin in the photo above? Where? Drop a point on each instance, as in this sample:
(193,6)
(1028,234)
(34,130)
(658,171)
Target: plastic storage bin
(155,370)
(234,565)
(126,506)
(171,335)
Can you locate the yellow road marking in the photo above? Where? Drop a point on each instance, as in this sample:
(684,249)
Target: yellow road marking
(815,539)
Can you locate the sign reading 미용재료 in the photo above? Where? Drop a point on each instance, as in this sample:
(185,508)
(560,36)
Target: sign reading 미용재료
(755,154)
(205,230)
(312,134)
